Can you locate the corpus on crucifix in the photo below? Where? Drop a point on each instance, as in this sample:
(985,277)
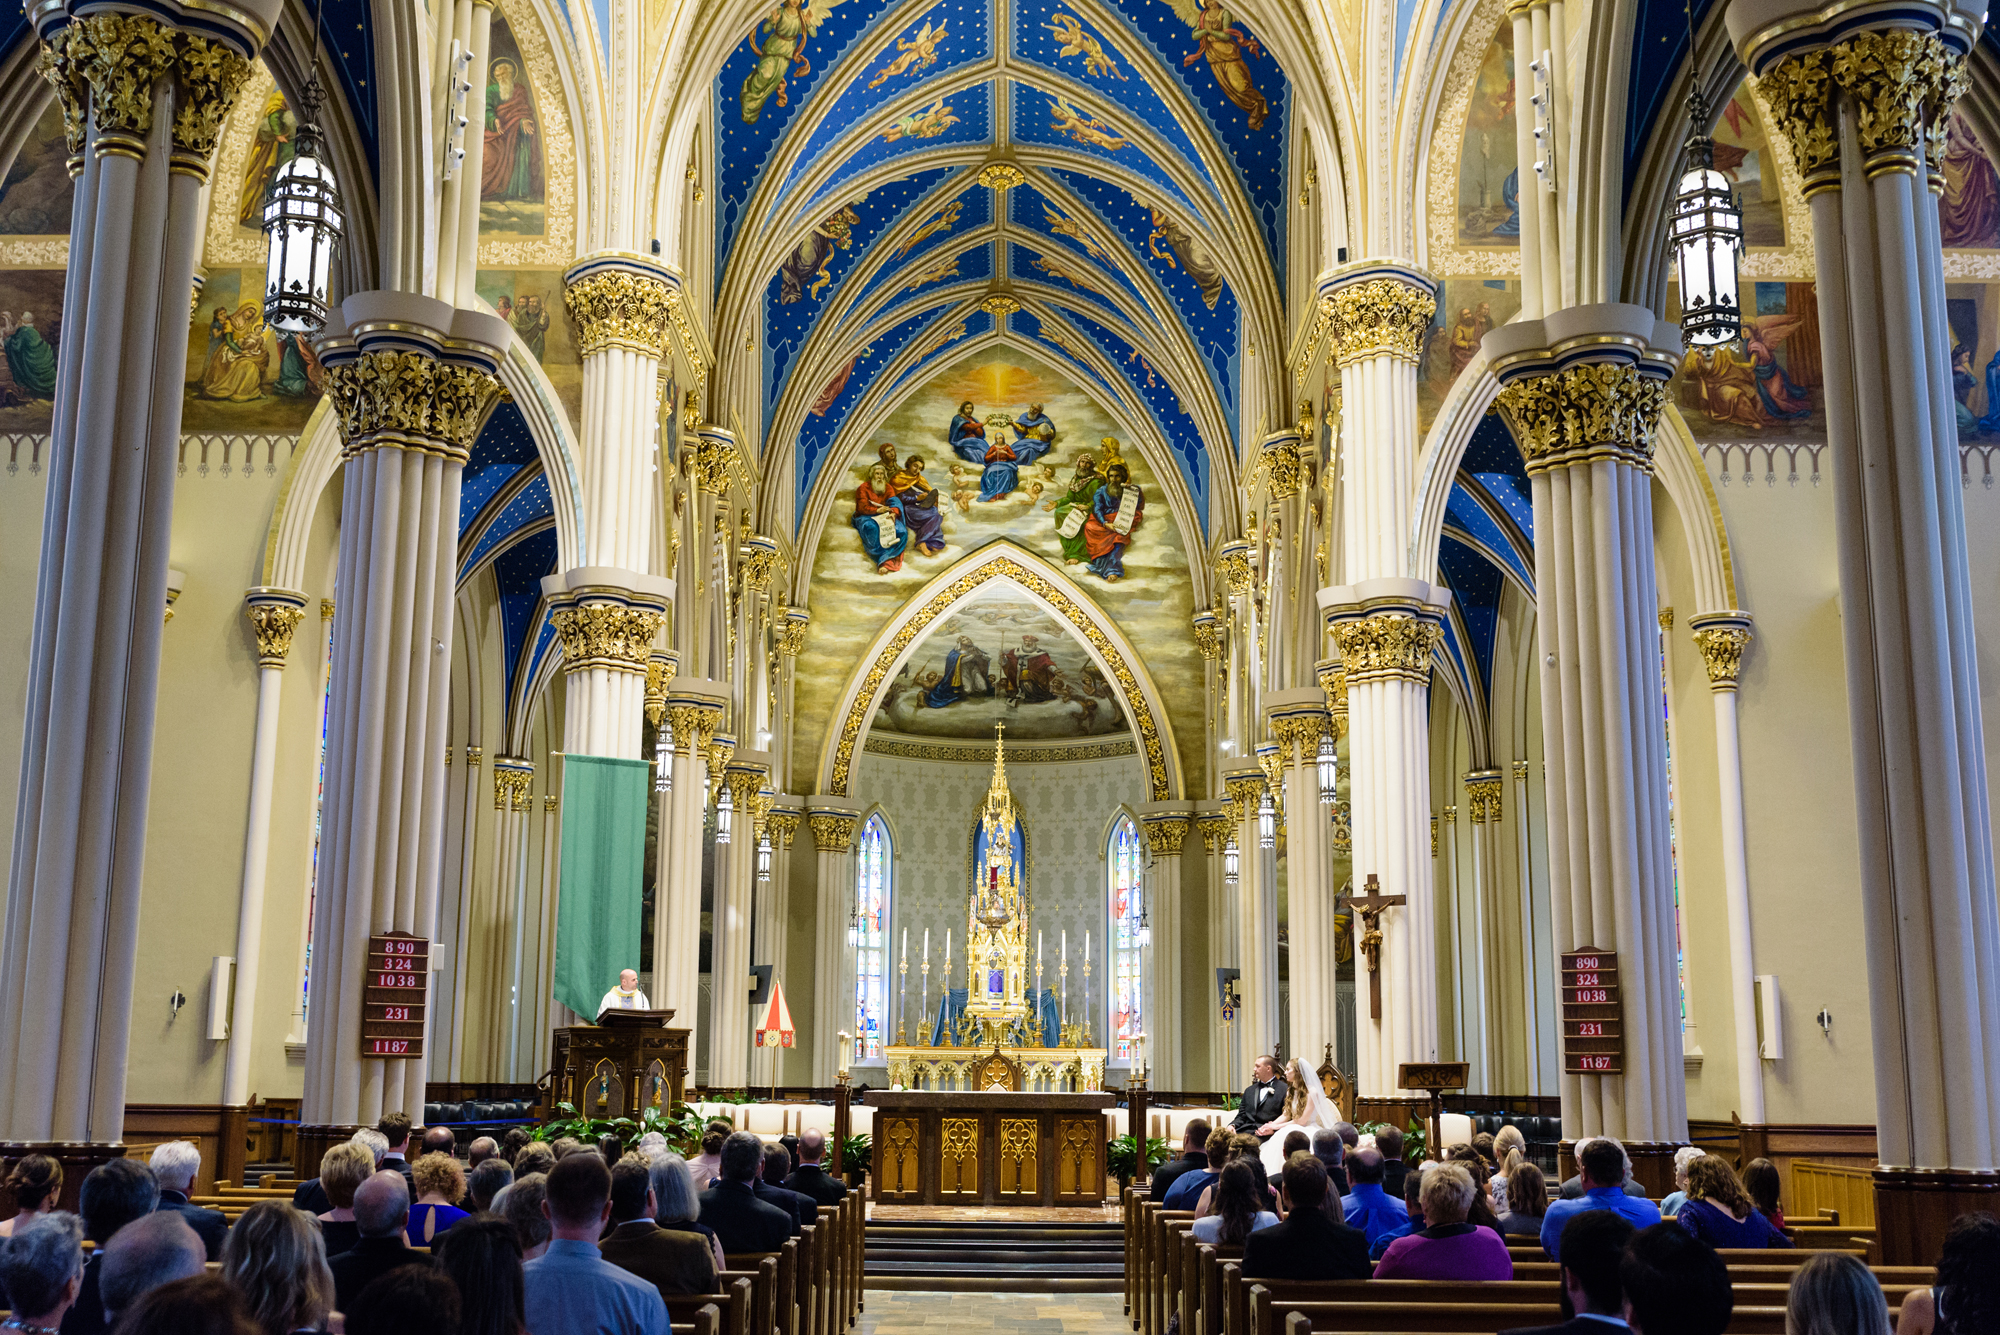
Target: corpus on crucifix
(1370,907)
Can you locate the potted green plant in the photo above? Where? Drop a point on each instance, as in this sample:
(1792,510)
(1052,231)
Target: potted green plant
(855,1152)
(1121,1156)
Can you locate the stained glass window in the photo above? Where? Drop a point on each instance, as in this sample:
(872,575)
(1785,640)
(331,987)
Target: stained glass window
(871,927)
(1127,939)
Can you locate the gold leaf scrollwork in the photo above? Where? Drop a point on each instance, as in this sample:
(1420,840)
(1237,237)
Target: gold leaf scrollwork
(1166,835)
(1208,634)
(619,309)
(1381,316)
(792,631)
(1232,563)
(833,832)
(122,57)
(59,63)
(711,463)
(273,624)
(1387,646)
(783,825)
(1482,795)
(1298,735)
(511,777)
(1799,91)
(1322,321)
(1584,413)
(1722,653)
(405,400)
(606,635)
(1214,828)
(1283,467)
(211,75)
(760,562)
(1903,85)
(1245,790)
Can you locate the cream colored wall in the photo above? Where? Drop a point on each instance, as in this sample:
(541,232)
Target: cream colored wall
(22,494)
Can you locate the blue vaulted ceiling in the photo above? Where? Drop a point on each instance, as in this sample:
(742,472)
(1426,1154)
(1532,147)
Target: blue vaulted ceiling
(1488,541)
(506,520)
(886,169)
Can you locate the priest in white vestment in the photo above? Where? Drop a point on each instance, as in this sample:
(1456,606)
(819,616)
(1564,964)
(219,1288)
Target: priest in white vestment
(626,996)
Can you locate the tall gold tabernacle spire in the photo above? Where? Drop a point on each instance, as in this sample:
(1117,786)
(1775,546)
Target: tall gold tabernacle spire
(996,963)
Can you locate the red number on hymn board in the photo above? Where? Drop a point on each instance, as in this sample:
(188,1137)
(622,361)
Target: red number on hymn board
(396,1013)
(1585,962)
(401,947)
(1595,1063)
(390,1046)
(1589,1029)
(1586,995)
(1584,980)
(398,980)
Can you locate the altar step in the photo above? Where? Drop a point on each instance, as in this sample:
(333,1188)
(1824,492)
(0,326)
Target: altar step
(1011,1257)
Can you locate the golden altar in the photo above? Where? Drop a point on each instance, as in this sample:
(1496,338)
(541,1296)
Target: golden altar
(998,1148)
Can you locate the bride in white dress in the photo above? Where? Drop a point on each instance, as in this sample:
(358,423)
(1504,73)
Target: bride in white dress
(1307,1109)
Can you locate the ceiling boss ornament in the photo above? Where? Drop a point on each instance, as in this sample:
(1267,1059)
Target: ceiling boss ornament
(1001,176)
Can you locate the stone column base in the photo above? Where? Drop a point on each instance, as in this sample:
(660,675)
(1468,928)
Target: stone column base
(77,1158)
(1914,1208)
(312,1142)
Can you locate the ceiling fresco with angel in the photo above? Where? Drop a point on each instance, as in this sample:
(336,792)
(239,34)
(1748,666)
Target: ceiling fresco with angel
(1102,180)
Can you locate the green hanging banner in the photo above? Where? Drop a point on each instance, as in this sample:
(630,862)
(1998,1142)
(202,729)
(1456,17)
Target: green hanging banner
(603,868)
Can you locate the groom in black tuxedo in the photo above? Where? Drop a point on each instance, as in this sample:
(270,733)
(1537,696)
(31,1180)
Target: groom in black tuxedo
(1263,1101)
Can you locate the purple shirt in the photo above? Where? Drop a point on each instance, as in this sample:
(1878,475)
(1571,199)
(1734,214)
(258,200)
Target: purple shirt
(1449,1251)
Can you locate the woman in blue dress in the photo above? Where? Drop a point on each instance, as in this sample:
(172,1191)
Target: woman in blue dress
(878,518)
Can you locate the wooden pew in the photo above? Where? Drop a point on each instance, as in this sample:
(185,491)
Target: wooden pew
(732,1304)
(1206,1284)
(707,1321)
(763,1282)
(805,1277)
(783,1264)
(859,1250)
(1128,1213)
(1159,1241)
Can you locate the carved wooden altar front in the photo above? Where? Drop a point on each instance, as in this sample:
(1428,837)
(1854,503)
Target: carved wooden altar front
(988,1147)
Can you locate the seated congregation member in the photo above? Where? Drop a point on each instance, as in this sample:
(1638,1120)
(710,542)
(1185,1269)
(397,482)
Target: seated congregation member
(1573,1188)
(1389,1141)
(1720,1212)
(485,1182)
(440,1186)
(1238,1207)
(438,1140)
(482,1149)
(1331,1151)
(571,1289)
(35,1182)
(1186,1190)
(410,1301)
(1369,1207)
(482,1258)
(147,1253)
(810,1178)
(1835,1294)
(1671,1204)
(1603,1164)
(1245,1147)
(311,1196)
(1508,1143)
(381,1213)
(1965,1293)
(1765,1186)
(1593,1245)
(771,1190)
(707,1166)
(536,1156)
(672,1262)
(1449,1247)
(1481,1210)
(395,1128)
(520,1204)
(742,1223)
(342,1170)
(1413,1199)
(676,1203)
(202,1305)
(1674,1284)
(41,1270)
(1193,1159)
(114,1195)
(274,1259)
(1308,1244)
(1528,1202)
(1296,1142)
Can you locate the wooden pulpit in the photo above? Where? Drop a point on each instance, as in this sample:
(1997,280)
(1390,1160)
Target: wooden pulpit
(625,1063)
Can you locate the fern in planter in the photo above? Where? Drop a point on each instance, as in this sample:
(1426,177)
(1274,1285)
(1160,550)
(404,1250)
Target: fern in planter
(1121,1156)
(854,1156)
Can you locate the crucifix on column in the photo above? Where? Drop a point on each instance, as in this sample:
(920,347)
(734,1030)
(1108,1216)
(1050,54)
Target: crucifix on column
(1371,906)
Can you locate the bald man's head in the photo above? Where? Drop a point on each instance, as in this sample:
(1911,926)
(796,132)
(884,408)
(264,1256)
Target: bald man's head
(145,1254)
(382,1205)
(812,1145)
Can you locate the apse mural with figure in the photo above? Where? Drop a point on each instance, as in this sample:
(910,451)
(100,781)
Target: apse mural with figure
(1769,384)
(271,147)
(30,336)
(1969,212)
(995,446)
(242,375)
(36,194)
(1744,157)
(531,302)
(513,179)
(1003,658)
(1467,309)
(1490,182)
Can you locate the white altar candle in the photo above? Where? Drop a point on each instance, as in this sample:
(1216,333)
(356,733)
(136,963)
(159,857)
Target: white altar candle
(1038,947)
(947,949)
(927,945)
(906,945)
(1086,948)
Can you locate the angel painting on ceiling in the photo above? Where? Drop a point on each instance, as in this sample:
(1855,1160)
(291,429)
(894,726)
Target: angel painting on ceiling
(780,44)
(1189,250)
(804,272)
(1225,46)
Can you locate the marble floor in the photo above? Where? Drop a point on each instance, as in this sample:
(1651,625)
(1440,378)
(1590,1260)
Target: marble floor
(1006,1313)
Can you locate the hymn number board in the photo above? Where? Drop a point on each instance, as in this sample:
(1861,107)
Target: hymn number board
(395,996)
(1593,1029)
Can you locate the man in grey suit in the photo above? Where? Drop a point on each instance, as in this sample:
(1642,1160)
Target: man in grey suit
(1264,1101)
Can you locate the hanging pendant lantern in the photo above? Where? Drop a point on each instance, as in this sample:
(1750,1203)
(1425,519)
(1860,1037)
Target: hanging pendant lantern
(764,858)
(1230,861)
(663,758)
(1329,769)
(1267,822)
(1706,232)
(725,811)
(303,223)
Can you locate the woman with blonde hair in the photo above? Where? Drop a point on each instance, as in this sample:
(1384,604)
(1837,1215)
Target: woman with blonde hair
(1835,1294)
(1449,1247)
(1509,1148)
(342,1169)
(1676,1198)
(36,1183)
(1720,1212)
(440,1185)
(273,1257)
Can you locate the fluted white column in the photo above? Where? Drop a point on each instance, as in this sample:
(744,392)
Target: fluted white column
(1202,1007)
(1256,912)
(1503,1002)
(1166,828)
(692,711)
(833,821)
(274,614)
(1722,638)
(469,915)
(143,101)
(412,381)
(1582,397)
(1297,719)
(730,932)
(508,907)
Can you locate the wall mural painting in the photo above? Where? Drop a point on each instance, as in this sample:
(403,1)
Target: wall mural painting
(531,300)
(1000,659)
(1467,309)
(1969,212)
(513,199)
(36,194)
(1489,177)
(1743,156)
(270,148)
(242,375)
(1766,386)
(997,446)
(30,331)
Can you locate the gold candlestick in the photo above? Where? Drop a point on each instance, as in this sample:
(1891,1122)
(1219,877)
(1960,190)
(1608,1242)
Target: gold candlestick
(903,1001)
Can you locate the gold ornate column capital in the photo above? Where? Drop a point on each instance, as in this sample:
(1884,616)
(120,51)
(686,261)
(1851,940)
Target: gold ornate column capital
(760,561)
(1245,788)
(209,77)
(1381,312)
(615,636)
(694,721)
(1208,634)
(388,397)
(721,750)
(473,755)
(1166,833)
(1721,638)
(783,823)
(616,303)
(1298,732)
(1280,460)
(1233,565)
(833,831)
(1332,676)
(1214,828)
(792,626)
(713,455)
(511,777)
(274,614)
(1521,770)
(1482,795)
(1581,414)
(1387,646)
(1902,85)
(659,671)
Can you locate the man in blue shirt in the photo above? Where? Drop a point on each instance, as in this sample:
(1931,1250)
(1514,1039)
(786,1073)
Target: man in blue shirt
(571,1289)
(1186,1191)
(1369,1208)
(1604,1167)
